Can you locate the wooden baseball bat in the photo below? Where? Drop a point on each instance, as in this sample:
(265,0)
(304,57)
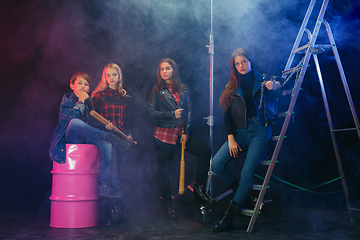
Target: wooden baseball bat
(182,170)
(104,121)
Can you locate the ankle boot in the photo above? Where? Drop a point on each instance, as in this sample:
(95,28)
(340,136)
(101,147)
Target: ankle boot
(226,223)
(116,142)
(107,190)
(201,196)
(170,209)
(114,213)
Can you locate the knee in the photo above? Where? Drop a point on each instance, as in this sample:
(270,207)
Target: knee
(215,166)
(75,122)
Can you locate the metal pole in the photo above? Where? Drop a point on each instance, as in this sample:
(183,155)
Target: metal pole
(210,118)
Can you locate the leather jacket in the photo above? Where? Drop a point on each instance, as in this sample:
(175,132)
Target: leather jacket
(235,116)
(162,106)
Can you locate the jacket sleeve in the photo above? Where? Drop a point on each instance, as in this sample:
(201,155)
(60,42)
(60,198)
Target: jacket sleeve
(228,122)
(188,119)
(155,110)
(128,116)
(97,102)
(70,110)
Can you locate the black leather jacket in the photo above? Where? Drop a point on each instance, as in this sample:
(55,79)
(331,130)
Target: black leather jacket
(162,106)
(235,116)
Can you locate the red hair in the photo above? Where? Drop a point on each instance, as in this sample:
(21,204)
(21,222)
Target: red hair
(225,99)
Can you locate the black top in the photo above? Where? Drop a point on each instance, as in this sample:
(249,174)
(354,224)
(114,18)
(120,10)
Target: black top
(247,84)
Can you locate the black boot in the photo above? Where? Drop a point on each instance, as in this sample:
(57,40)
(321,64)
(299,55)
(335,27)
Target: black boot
(116,142)
(107,190)
(170,209)
(201,196)
(226,223)
(114,213)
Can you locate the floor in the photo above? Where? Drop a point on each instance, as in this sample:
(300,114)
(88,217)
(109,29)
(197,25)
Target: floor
(33,223)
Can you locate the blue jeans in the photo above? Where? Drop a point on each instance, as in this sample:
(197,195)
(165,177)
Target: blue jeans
(78,132)
(255,140)
(117,165)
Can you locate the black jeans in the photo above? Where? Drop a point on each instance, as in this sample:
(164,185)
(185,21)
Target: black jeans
(165,153)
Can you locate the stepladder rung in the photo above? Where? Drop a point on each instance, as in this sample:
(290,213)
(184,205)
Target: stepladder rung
(267,162)
(318,48)
(283,114)
(276,138)
(343,129)
(248,212)
(258,187)
(287,92)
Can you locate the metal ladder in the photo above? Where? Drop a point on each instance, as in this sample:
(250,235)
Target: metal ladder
(309,49)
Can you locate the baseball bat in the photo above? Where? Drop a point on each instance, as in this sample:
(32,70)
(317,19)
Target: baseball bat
(182,171)
(104,121)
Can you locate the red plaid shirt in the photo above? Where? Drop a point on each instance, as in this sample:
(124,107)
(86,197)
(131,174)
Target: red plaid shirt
(169,135)
(111,106)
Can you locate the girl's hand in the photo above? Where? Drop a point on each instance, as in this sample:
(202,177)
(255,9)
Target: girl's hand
(123,93)
(184,139)
(272,85)
(110,126)
(178,113)
(234,147)
(129,139)
(83,96)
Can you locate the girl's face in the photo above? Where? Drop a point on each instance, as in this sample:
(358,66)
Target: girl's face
(166,72)
(80,85)
(112,77)
(242,64)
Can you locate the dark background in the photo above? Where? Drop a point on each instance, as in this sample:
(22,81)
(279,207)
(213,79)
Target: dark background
(42,43)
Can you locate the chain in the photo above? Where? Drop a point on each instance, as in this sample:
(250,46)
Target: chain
(296,70)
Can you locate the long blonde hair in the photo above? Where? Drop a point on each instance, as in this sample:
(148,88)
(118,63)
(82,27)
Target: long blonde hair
(104,84)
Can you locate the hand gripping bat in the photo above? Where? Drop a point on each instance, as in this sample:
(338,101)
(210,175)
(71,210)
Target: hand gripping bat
(106,122)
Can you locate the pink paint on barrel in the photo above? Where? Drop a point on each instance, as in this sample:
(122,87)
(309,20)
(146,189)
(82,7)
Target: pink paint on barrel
(74,198)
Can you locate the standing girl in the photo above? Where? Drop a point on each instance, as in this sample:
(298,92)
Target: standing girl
(110,101)
(170,105)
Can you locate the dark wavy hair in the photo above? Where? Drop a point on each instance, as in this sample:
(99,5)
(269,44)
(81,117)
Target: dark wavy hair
(225,99)
(178,86)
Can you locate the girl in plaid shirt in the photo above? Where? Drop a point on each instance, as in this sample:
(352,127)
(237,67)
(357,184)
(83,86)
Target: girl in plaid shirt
(110,101)
(170,105)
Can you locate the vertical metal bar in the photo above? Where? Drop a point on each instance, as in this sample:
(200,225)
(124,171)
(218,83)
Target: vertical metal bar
(342,75)
(211,97)
(300,34)
(333,138)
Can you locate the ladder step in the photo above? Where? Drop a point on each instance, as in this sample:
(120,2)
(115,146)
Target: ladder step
(267,162)
(344,129)
(275,138)
(290,70)
(318,48)
(283,114)
(248,212)
(287,92)
(258,187)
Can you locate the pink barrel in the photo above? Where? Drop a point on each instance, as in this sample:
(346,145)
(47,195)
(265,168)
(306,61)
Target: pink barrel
(74,198)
